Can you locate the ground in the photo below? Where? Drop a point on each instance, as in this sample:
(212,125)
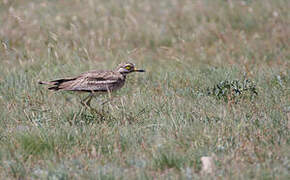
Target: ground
(162,122)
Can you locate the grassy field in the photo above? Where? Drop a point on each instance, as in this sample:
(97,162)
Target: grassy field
(217,84)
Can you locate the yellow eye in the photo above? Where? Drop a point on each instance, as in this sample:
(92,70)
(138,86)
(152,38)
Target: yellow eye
(128,67)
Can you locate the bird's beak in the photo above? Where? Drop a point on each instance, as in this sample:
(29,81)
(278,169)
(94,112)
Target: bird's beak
(139,70)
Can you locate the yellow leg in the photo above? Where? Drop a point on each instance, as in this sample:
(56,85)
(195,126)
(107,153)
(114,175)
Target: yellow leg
(87,101)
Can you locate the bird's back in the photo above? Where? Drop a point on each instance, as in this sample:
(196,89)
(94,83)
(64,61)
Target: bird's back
(92,81)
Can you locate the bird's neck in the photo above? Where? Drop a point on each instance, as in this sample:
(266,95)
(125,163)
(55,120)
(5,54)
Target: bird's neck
(124,75)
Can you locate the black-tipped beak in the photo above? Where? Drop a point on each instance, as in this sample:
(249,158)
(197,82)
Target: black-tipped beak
(139,70)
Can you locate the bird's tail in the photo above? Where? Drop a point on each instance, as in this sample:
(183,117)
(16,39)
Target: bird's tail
(46,82)
(56,84)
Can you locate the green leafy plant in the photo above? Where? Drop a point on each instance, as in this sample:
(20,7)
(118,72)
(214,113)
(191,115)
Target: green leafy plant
(234,90)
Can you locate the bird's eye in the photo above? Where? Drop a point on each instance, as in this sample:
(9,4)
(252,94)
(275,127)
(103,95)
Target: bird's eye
(128,67)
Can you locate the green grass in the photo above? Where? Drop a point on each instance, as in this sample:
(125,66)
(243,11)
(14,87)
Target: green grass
(193,100)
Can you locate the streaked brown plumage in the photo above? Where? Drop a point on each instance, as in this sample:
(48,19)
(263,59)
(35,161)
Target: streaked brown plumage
(94,81)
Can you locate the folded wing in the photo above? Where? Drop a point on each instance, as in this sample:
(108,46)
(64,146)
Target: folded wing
(91,81)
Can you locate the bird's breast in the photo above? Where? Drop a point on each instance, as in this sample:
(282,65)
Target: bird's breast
(118,85)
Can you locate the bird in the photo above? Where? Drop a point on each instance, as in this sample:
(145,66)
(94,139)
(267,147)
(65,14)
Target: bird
(93,82)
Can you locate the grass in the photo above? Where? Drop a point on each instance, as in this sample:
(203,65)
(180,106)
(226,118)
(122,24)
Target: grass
(194,99)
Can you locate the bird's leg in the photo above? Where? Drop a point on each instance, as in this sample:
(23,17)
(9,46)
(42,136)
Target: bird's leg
(109,99)
(87,101)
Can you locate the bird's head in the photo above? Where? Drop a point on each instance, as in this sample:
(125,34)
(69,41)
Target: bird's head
(126,68)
